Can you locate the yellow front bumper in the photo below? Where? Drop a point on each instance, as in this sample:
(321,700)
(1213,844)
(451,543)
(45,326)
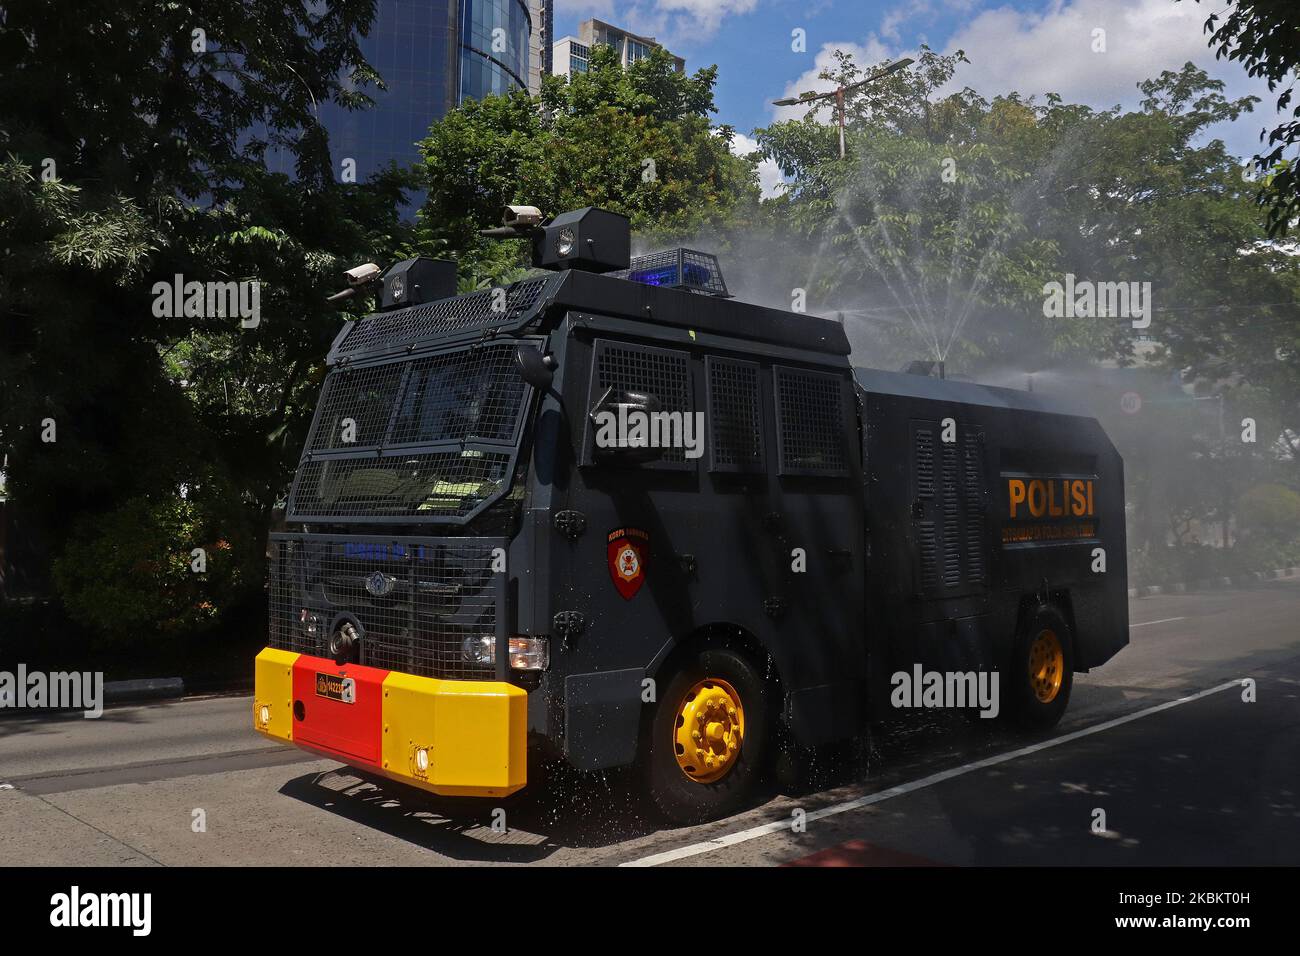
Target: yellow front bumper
(455,738)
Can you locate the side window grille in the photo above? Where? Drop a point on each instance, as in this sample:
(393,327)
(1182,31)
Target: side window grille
(810,422)
(735,416)
(664,373)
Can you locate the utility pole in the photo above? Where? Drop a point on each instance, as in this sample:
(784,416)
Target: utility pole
(839,92)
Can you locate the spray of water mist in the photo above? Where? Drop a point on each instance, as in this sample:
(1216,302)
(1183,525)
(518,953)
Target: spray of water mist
(903,271)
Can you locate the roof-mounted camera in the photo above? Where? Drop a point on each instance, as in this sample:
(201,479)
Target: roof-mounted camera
(590,239)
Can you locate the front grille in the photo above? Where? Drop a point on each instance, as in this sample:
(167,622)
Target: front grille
(425,597)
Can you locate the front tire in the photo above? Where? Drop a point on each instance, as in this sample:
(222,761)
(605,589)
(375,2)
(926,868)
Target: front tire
(708,738)
(1042,669)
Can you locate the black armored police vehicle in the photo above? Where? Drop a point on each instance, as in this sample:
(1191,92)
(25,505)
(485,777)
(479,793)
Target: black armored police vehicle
(610,513)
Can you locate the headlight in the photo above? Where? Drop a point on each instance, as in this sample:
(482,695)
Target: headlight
(480,650)
(310,623)
(529,653)
(564,242)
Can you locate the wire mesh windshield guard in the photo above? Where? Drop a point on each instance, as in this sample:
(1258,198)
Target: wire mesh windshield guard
(431,438)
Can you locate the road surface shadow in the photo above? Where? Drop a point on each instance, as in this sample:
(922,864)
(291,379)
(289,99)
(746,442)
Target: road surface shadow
(564,808)
(561,808)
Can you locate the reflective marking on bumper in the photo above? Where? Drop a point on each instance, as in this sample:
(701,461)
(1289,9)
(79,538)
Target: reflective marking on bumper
(273,693)
(473,735)
(454,738)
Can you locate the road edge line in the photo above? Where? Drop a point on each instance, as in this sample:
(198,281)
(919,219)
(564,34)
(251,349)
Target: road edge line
(744,836)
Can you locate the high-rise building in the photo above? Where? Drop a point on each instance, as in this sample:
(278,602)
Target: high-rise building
(572,54)
(433,55)
(503,46)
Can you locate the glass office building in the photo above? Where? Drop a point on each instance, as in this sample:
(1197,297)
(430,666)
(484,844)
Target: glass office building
(414,45)
(494,47)
(432,55)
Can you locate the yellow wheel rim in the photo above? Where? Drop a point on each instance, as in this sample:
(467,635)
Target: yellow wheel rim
(1046,666)
(709,730)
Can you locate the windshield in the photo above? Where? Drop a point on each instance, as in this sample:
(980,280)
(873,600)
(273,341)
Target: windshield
(424,438)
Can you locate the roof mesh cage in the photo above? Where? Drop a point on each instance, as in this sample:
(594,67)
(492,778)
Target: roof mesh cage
(437,322)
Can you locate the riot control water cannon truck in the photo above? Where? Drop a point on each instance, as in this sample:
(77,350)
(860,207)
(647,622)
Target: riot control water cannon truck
(611,514)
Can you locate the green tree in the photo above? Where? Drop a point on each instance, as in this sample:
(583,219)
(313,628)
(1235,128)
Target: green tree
(1272,511)
(636,141)
(1264,35)
(132,145)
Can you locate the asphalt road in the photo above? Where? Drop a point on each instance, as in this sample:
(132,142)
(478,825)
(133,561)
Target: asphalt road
(1158,761)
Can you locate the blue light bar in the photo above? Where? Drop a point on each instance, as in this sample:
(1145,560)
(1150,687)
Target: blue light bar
(678,269)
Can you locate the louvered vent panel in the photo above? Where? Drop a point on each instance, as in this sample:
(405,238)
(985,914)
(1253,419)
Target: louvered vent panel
(924,463)
(973,455)
(949,491)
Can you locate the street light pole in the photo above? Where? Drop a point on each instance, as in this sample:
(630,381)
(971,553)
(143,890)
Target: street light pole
(839,92)
(839,106)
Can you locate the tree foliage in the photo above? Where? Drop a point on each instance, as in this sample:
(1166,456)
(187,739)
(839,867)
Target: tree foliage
(132,152)
(1264,35)
(637,141)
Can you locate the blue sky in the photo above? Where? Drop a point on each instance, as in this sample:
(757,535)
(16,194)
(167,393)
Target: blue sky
(1033,46)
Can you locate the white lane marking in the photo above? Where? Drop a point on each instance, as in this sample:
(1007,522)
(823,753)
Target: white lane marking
(743,836)
(1163,620)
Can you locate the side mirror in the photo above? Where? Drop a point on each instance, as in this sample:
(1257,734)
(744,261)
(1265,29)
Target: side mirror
(618,410)
(535,368)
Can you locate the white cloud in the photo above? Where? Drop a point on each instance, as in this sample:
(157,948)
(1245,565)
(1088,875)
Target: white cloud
(669,21)
(1053,52)
(769,174)
(900,15)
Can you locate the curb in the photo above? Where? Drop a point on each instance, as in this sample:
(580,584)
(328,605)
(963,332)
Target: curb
(1240,580)
(147,688)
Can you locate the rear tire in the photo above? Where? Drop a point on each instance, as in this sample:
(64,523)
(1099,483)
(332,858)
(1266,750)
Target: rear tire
(1041,672)
(699,698)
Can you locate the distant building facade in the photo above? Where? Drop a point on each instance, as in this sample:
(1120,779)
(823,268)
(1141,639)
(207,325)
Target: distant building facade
(572,54)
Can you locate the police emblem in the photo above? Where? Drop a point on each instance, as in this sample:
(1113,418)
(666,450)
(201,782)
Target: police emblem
(627,551)
(379,583)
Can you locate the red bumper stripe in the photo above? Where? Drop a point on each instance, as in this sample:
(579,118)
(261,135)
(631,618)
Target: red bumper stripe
(341,708)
